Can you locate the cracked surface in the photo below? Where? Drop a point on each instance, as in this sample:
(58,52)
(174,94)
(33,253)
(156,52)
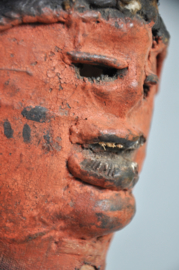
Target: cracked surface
(48,114)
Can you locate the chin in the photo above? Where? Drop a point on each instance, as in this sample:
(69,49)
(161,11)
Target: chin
(93,211)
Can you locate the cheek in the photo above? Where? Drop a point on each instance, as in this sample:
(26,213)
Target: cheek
(141,115)
(39,195)
(33,169)
(32,138)
(34,149)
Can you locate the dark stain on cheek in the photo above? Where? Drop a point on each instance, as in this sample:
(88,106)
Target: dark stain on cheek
(48,142)
(47,138)
(26,133)
(8,131)
(37,114)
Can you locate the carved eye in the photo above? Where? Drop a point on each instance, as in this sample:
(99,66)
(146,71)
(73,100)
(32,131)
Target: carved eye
(97,73)
(98,68)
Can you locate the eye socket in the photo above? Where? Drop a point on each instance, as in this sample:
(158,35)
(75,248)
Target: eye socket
(99,73)
(96,67)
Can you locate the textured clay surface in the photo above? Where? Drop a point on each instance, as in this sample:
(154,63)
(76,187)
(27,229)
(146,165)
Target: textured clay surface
(76,101)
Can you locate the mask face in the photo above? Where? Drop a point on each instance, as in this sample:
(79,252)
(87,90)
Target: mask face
(76,106)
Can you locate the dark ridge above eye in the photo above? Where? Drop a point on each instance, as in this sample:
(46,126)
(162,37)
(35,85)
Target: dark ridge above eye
(98,67)
(97,59)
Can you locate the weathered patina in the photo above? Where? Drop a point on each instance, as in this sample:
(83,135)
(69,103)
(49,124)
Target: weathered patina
(77,86)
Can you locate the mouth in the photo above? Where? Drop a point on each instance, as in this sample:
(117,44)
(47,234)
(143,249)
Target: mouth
(106,162)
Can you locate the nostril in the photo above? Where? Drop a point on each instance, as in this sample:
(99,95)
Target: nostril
(99,73)
(146,90)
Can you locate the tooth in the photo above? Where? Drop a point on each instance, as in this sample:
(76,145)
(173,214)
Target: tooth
(116,172)
(101,168)
(91,164)
(88,163)
(96,165)
(103,145)
(110,171)
(105,167)
(134,165)
(120,146)
(112,145)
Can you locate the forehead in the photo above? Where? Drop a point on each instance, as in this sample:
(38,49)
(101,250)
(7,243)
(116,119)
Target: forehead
(117,35)
(113,36)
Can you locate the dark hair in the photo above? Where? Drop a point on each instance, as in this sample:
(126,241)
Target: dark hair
(13,12)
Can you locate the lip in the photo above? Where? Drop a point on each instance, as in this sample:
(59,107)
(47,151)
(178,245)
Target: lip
(106,161)
(133,143)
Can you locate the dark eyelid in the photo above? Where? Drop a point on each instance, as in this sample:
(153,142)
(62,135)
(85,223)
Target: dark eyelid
(94,59)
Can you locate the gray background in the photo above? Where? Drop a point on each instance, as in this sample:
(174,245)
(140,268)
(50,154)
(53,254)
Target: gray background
(151,240)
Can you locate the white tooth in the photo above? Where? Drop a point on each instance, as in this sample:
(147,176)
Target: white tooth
(120,146)
(112,145)
(106,167)
(99,166)
(103,145)
(134,165)
(134,6)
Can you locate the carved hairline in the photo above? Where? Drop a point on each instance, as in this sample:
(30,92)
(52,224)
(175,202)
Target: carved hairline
(14,12)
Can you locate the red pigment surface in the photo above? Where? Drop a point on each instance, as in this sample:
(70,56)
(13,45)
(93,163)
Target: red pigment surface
(49,219)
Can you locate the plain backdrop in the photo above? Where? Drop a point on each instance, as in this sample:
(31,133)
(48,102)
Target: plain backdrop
(151,240)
